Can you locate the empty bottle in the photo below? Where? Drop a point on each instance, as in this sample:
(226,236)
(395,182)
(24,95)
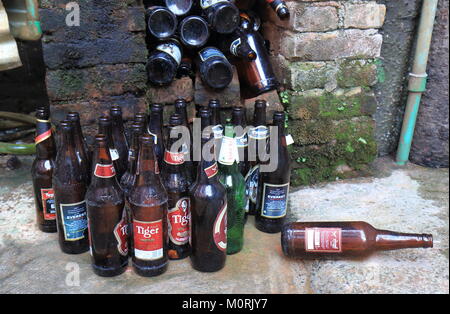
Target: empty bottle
(155,128)
(179,7)
(163,62)
(161,22)
(81,149)
(215,69)
(222,15)
(280,8)
(181,110)
(318,240)
(194,32)
(105,128)
(119,138)
(237,46)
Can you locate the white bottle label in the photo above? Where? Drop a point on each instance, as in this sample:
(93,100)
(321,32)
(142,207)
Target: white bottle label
(172,50)
(208,3)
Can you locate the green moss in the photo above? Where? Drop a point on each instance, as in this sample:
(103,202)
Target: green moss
(357,73)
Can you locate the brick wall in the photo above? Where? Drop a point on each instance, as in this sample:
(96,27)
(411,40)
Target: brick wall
(99,63)
(326,56)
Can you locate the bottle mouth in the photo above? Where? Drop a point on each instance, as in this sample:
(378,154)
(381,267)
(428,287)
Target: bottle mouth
(219,75)
(429,240)
(161,71)
(162,23)
(194,31)
(179,7)
(226,19)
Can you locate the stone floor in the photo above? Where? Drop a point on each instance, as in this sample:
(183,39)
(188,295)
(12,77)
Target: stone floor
(410,199)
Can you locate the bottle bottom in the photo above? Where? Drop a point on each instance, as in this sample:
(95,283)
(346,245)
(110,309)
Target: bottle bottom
(208,268)
(268,226)
(48,228)
(176,255)
(150,271)
(74,250)
(109,272)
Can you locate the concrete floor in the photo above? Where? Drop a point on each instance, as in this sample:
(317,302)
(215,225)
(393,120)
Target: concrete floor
(410,199)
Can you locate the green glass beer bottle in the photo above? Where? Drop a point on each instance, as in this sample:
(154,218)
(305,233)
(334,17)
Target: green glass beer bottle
(234,182)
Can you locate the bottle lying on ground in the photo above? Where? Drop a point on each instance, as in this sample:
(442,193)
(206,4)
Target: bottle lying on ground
(274,186)
(209,215)
(108,225)
(344,239)
(42,172)
(234,183)
(176,181)
(194,32)
(280,8)
(70,191)
(236,45)
(148,201)
(179,7)
(161,22)
(215,69)
(222,15)
(163,62)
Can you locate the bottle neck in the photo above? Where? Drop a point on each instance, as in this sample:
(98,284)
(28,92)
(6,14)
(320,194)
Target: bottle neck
(208,169)
(260,117)
(45,142)
(155,124)
(388,240)
(147,166)
(133,153)
(103,173)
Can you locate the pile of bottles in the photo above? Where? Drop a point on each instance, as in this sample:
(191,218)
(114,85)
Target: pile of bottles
(158,196)
(208,36)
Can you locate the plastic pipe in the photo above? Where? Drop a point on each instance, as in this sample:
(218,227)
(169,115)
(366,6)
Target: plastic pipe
(417,79)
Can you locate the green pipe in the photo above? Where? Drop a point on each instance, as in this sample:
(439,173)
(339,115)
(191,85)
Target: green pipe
(17,149)
(417,79)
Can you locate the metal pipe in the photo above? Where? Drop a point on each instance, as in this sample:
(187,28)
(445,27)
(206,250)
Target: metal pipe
(417,79)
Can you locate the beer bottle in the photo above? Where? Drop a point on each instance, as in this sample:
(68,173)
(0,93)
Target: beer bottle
(42,172)
(177,181)
(194,32)
(186,68)
(181,110)
(119,138)
(81,149)
(258,75)
(239,120)
(129,177)
(222,15)
(234,183)
(274,186)
(237,46)
(280,8)
(108,225)
(215,69)
(70,190)
(216,122)
(148,201)
(161,22)
(163,62)
(155,128)
(209,214)
(179,7)
(105,128)
(318,240)
(257,145)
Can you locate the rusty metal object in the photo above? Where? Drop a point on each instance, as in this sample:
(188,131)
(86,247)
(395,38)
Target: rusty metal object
(23,19)
(9,54)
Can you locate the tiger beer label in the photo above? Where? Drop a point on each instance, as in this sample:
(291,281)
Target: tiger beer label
(220,229)
(179,218)
(323,240)
(259,133)
(114,154)
(148,240)
(208,3)
(121,234)
(275,198)
(172,50)
(104,171)
(175,159)
(212,171)
(235,46)
(48,204)
(42,135)
(74,220)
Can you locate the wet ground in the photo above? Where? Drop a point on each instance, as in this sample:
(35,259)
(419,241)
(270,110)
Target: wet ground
(410,199)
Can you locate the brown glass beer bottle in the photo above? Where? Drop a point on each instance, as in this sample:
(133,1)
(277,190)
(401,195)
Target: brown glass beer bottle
(274,186)
(148,201)
(209,215)
(119,138)
(181,110)
(176,181)
(81,148)
(105,128)
(316,240)
(155,128)
(108,225)
(70,190)
(42,173)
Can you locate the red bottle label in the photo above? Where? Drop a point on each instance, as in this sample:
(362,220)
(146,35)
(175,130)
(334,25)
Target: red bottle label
(179,218)
(121,234)
(43,136)
(48,204)
(212,171)
(104,171)
(323,240)
(174,158)
(148,240)
(220,229)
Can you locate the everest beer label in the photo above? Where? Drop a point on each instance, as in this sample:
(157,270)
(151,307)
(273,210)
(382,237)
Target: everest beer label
(220,229)
(121,234)
(174,159)
(179,218)
(48,204)
(212,171)
(323,240)
(148,240)
(275,197)
(259,133)
(208,3)
(104,171)
(74,220)
(209,53)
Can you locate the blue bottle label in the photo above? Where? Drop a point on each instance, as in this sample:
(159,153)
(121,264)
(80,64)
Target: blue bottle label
(209,53)
(74,220)
(275,200)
